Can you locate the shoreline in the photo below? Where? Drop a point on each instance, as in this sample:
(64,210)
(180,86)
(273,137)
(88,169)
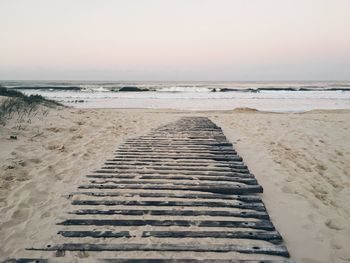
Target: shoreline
(235,110)
(301,160)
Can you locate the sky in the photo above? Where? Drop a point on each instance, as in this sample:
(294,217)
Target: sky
(208,40)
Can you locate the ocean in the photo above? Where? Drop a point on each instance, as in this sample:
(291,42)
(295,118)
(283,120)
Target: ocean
(197,96)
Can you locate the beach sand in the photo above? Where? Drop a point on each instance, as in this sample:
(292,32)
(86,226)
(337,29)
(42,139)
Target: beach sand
(301,160)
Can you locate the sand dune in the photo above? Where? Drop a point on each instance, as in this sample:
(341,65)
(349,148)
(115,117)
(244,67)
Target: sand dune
(301,160)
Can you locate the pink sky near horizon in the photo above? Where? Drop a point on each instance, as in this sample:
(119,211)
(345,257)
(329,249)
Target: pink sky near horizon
(175,39)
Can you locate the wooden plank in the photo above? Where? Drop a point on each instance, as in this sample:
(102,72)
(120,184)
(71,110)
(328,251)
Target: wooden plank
(183,164)
(213,144)
(183,147)
(150,178)
(173,144)
(172,172)
(233,204)
(170,154)
(273,236)
(273,250)
(157,144)
(270,236)
(182,137)
(175,168)
(247,189)
(156,168)
(179,141)
(176,151)
(203,182)
(164,147)
(179,161)
(95,234)
(177,157)
(243,198)
(181,157)
(188,136)
(141,212)
(262,224)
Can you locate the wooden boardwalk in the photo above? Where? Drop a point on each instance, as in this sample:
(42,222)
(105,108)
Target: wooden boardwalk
(181,193)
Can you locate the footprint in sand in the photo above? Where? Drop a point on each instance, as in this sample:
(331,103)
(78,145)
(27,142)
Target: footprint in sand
(78,136)
(59,147)
(54,129)
(336,223)
(321,167)
(73,129)
(339,153)
(35,160)
(19,215)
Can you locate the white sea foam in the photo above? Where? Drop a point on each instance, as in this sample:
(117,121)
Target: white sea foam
(285,96)
(184,89)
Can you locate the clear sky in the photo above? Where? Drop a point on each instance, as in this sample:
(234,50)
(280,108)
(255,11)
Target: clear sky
(175,39)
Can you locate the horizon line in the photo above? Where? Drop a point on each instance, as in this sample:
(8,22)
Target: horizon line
(111,80)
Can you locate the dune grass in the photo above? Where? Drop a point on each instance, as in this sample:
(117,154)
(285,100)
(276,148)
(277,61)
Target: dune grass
(15,104)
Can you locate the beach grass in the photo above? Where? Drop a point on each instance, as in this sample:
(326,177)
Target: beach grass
(15,104)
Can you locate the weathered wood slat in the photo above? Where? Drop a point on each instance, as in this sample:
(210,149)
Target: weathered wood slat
(188,144)
(271,236)
(169,148)
(173,172)
(273,250)
(185,161)
(181,157)
(213,144)
(233,204)
(95,234)
(176,151)
(184,148)
(140,212)
(177,157)
(187,137)
(247,189)
(243,198)
(177,139)
(166,137)
(194,182)
(180,142)
(169,155)
(182,163)
(176,168)
(262,224)
(250,181)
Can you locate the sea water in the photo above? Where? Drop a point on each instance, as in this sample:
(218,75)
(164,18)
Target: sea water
(265,96)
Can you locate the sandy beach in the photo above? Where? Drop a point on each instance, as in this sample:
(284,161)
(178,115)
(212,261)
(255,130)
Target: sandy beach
(301,160)
(163,131)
